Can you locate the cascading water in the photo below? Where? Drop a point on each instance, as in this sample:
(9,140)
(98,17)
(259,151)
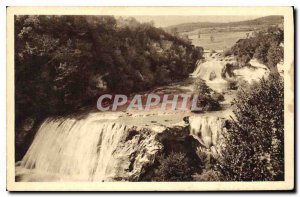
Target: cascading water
(207,129)
(90,149)
(210,71)
(103,147)
(203,70)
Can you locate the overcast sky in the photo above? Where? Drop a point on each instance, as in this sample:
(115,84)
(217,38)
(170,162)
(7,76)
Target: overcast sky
(164,21)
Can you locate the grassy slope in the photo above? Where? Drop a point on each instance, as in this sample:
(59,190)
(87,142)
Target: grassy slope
(186,27)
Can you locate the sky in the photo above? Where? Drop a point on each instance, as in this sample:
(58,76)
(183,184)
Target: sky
(164,21)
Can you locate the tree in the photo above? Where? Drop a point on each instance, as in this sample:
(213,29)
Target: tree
(174,167)
(275,55)
(208,99)
(254,142)
(265,46)
(62,62)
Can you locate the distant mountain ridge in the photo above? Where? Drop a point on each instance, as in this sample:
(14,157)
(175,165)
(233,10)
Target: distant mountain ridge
(267,20)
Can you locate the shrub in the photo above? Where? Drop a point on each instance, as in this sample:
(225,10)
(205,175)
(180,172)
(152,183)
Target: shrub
(275,55)
(205,99)
(217,96)
(233,85)
(254,143)
(208,172)
(208,175)
(174,167)
(243,85)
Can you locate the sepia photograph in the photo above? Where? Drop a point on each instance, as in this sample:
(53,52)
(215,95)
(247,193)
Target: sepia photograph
(150,99)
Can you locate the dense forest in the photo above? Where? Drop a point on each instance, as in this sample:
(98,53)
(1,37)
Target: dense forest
(63,63)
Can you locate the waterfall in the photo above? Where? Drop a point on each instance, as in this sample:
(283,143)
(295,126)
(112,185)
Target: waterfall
(204,69)
(89,149)
(107,148)
(210,71)
(208,130)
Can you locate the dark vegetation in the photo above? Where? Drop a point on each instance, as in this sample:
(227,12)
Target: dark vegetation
(265,46)
(255,139)
(208,99)
(63,63)
(177,161)
(174,167)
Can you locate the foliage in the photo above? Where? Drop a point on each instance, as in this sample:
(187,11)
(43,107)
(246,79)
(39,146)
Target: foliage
(217,96)
(208,175)
(174,167)
(232,84)
(63,63)
(208,99)
(274,56)
(264,46)
(254,148)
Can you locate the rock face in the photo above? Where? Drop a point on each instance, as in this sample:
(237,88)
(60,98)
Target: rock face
(212,76)
(95,149)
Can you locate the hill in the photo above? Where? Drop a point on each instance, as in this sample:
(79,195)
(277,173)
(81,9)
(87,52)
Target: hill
(262,21)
